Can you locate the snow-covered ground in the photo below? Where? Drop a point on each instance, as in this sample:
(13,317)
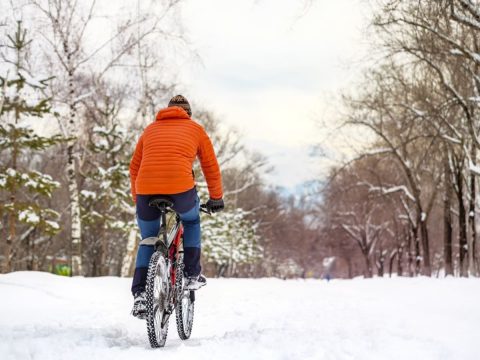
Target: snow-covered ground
(43,316)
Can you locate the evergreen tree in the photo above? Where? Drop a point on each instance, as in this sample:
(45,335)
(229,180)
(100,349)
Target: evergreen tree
(229,239)
(106,205)
(22,99)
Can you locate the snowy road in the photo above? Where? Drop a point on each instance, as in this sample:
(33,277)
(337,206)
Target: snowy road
(49,317)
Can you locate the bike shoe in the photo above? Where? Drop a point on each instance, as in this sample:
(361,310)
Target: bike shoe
(139,305)
(195,282)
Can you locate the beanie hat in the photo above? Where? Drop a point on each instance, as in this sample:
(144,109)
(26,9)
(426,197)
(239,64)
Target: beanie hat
(181,101)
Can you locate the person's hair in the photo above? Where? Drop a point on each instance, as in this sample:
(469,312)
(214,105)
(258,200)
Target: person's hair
(181,101)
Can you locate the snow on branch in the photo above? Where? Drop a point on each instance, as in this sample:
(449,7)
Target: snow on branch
(451,139)
(82,97)
(388,190)
(32,81)
(452,42)
(378,151)
(347,213)
(475,169)
(241,189)
(473,20)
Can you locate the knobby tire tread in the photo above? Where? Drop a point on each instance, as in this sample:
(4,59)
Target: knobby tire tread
(152,336)
(183,333)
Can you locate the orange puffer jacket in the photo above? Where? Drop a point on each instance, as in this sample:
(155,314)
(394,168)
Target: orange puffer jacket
(164,156)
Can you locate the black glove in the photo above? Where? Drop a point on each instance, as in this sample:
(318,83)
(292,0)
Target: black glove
(215,205)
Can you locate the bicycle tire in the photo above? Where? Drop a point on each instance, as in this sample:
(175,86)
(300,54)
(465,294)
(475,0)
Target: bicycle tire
(157,293)
(185,308)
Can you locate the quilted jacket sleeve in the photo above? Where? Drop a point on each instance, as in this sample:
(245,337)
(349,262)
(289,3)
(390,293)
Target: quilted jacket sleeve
(135,166)
(210,168)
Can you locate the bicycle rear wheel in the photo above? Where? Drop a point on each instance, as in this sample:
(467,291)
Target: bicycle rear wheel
(157,291)
(185,307)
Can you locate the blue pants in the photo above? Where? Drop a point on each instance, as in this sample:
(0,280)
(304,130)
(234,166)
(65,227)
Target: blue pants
(187,205)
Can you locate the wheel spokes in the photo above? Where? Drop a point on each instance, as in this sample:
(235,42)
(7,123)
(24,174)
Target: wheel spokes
(160,299)
(156,289)
(158,322)
(187,312)
(185,309)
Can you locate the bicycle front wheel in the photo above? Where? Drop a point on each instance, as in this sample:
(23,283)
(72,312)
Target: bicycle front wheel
(157,291)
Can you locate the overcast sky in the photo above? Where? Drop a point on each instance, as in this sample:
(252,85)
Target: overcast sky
(271,69)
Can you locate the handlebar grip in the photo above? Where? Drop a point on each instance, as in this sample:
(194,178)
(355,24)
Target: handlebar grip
(205,209)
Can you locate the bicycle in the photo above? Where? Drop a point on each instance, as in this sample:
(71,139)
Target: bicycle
(165,290)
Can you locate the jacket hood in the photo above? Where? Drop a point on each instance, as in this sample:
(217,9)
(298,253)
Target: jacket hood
(173,112)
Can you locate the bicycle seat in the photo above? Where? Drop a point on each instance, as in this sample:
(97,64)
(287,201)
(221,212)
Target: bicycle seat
(161,202)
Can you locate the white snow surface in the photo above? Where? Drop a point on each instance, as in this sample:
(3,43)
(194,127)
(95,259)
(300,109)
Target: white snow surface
(43,316)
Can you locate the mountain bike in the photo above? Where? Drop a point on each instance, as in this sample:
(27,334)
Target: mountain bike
(165,288)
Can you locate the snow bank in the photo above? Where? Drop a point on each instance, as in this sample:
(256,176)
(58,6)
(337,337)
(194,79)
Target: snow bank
(43,316)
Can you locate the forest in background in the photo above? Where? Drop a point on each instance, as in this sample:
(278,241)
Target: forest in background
(408,203)
(71,111)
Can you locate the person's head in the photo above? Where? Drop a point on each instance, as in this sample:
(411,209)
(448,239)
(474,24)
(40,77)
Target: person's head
(181,101)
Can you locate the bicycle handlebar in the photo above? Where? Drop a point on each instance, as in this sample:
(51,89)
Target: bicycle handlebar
(205,209)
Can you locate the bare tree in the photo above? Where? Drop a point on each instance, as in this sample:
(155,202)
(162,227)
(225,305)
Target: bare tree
(68,22)
(444,37)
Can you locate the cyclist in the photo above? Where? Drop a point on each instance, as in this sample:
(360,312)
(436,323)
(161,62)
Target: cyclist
(162,165)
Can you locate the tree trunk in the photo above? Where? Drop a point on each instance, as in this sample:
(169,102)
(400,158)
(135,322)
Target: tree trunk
(76,221)
(400,260)
(471,219)
(128,259)
(93,263)
(7,264)
(12,216)
(427,269)
(76,229)
(221,270)
(476,256)
(447,220)
(368,264)
(381,265)
(462,226)
(417,252)
(104,268)
(350,268)
(30,241)
(102,242)
(4,234)
(392,260)
(410,256)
